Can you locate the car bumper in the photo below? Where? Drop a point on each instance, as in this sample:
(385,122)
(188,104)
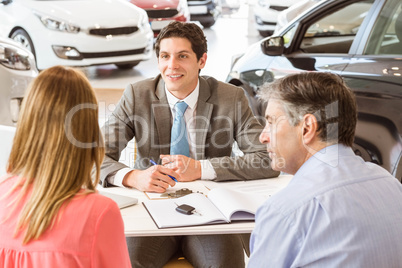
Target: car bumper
(158,24)
(203,18)
(266,20)
(94,50)
(203,11)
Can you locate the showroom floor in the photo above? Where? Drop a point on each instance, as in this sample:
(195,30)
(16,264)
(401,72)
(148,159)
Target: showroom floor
(229,36)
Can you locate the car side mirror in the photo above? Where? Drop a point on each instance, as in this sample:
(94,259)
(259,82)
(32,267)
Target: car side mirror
(273,46)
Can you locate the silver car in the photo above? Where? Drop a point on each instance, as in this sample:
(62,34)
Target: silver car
(17,69)
(360,40)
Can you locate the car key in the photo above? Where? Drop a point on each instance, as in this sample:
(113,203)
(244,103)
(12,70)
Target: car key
(186,209)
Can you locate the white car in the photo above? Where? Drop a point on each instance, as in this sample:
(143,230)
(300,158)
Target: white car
(266,14)
(292,12)
(79,33)
(17,70)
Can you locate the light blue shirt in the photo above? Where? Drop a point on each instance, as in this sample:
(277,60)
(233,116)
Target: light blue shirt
(337,211)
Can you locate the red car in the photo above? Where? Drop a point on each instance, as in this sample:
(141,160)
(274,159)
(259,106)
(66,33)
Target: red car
(161,12)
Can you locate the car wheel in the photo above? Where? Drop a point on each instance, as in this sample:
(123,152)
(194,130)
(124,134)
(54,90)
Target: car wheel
(22,37)
(126,66)
(208,24)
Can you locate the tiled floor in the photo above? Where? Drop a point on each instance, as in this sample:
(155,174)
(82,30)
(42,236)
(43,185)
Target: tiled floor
(229,36)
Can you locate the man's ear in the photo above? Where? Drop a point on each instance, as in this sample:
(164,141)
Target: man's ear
(309,128)
(202,61)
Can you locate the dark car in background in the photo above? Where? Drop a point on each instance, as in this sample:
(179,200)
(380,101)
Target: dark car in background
(204,11)
(162,12)
(361,40)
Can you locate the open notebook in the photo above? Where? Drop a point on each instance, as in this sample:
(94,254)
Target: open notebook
(121,200)
(222,205)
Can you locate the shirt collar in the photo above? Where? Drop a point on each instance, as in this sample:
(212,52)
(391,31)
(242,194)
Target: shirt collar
(191,99)
(328,156)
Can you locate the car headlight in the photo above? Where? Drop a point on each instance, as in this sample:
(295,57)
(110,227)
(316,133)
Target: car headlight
(58,25)
(144,21)
(14,57)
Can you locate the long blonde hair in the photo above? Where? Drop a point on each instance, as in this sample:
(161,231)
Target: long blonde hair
(56,145)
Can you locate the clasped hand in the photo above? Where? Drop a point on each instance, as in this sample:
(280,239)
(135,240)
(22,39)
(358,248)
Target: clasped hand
(156,178)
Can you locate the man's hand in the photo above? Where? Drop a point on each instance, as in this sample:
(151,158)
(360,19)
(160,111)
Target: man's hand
(153,179)
(187,168)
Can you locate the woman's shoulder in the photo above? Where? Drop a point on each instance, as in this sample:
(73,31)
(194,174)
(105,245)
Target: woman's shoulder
(93,202)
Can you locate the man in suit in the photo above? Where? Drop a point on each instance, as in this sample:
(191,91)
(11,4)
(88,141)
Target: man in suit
(217,116)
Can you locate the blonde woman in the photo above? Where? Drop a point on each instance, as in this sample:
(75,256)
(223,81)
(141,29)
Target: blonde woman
(50,213)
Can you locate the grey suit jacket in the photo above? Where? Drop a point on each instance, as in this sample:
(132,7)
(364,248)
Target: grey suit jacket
(222,117)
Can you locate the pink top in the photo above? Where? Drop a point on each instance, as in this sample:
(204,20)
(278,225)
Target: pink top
(89,233)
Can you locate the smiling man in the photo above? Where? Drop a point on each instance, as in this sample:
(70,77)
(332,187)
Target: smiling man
(188,124)
(337,211)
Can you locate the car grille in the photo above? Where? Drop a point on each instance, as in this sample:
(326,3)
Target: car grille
(114,31)
(155,14)
(198,2)
(113,53)
(278,8)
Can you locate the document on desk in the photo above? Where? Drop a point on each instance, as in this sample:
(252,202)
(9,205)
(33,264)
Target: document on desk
(222,205)
(266,187)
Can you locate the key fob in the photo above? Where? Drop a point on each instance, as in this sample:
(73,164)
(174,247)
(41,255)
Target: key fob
(185,209)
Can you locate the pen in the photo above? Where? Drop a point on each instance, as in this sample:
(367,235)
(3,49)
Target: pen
(155,164)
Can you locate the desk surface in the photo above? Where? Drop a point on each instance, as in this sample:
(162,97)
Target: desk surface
(137,221)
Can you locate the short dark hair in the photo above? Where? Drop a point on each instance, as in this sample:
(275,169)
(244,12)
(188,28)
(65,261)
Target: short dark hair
(323,94)
(191,31)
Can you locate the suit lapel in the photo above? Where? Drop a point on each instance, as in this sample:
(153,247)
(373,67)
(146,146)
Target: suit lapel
(162,115)
(203,117)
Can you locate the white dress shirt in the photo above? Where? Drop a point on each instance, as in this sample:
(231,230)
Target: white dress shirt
(337,211)
(207,171)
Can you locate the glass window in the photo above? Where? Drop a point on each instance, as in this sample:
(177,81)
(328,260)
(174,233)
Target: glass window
(386,37)
(335,32)
(288,36)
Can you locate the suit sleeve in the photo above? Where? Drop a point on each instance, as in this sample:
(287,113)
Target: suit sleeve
(118,131)
(255,164)
(110,247)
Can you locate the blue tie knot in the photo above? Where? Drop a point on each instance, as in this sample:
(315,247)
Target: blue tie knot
(181,106)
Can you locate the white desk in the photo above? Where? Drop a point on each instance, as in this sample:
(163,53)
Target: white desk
(137,221)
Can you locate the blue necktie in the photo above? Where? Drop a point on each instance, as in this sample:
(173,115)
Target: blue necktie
(178,140)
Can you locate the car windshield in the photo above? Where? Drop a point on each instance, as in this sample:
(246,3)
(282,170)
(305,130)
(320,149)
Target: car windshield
(335,32)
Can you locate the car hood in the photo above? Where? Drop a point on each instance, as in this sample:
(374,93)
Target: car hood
(253,59)
(156,4)
(102,12)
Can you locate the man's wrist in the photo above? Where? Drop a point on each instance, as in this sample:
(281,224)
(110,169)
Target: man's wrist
(128,180)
